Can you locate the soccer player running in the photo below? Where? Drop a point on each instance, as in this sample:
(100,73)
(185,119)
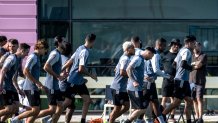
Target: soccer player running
(152,70)
(168,84)
(32,85)
(3,41)
(198,77)
(13,45)
(135,72)
(63,84)
(119,85)
(149,78)
(53,68)
(182,88)
(8,82)
(77,83)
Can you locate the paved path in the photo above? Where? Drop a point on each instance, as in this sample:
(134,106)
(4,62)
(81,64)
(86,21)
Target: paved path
(76,118)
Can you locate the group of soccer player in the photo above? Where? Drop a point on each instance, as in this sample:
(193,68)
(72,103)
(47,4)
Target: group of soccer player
(137,70)
(134,81)
(63,81)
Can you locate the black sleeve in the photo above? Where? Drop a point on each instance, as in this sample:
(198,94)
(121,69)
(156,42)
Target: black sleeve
(185,65)
(174,65)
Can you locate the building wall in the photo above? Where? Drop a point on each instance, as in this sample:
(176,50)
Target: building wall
(18,20)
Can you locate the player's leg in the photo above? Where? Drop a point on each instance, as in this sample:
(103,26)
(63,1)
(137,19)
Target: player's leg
(34,109)
(51,107)
(69,99)
(173,111)
(155,103)
(31,115)
(15,110)
(8,105)
(59,107)
(164,101)
(115,113)
(199,100)
(164,92)
(178,97)
(188,101)
(139,105)
(69,114)
(125,108)
(84,93)
(117,106)
(7,111)
(195,103)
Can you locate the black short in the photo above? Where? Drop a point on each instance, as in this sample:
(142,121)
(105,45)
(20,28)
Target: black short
(167,88)
(150,91)
(182,89)
(9,97)
(72,105)
(119,98)
(137,100)
(198,92)
(76,89)
(33,97)
(54,96)
(1,101)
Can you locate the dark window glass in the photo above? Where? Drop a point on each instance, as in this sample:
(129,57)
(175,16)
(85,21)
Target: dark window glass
(144,9)
(111,35)
(50,29)
(54,9)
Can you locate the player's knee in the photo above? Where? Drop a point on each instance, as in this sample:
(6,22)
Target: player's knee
(67,102)
(52,109)
(35,111)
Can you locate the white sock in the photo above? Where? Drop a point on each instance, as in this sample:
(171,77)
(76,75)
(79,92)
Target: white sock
(161,119)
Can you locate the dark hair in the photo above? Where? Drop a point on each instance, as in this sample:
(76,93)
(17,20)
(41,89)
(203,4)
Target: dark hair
(58,39)
(13,41)
(135,39)
(24,46)
(190,38)
(41,43)
(90,37)
(161,40)
(175,40)
(3,38)
(68,50)
(151,49)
